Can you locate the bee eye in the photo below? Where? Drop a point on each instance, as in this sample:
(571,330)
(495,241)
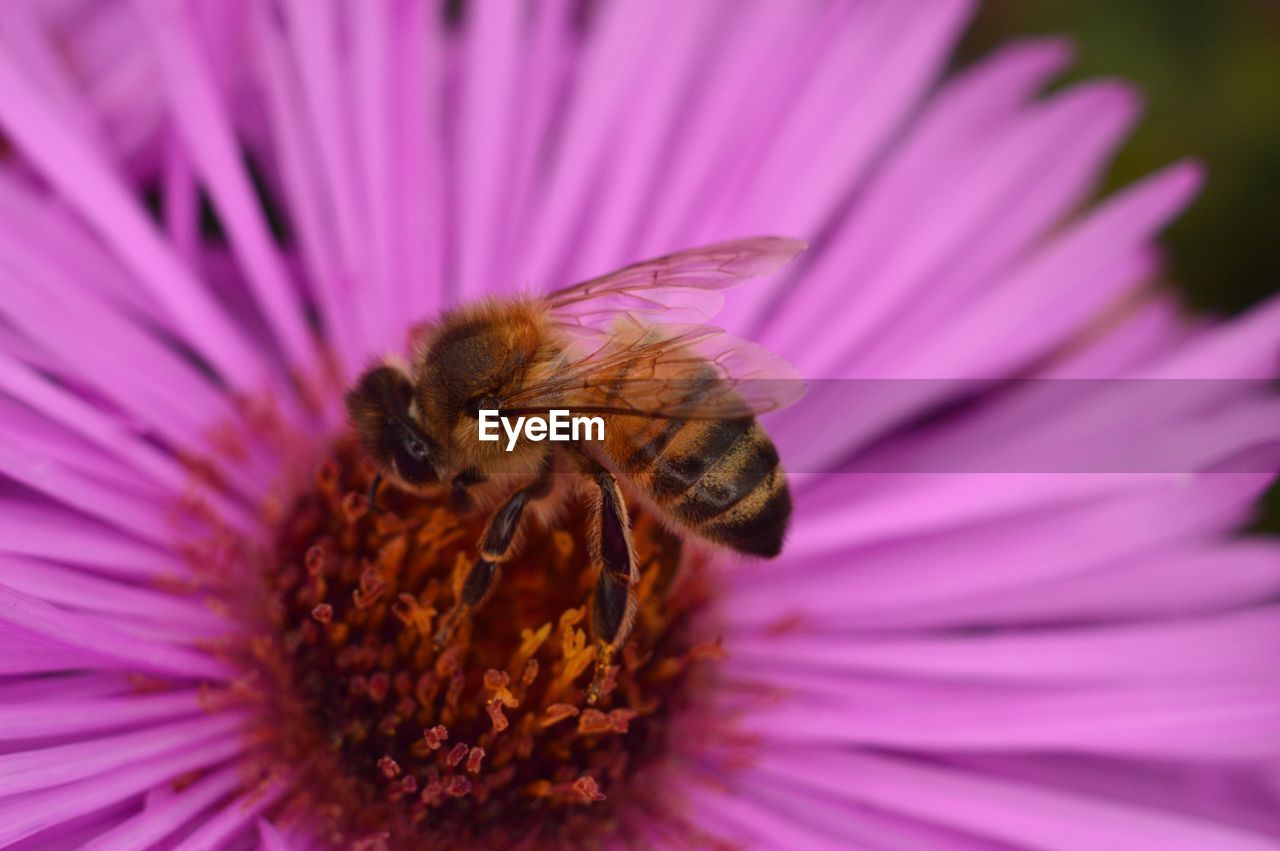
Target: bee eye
(412,456)
(483,403)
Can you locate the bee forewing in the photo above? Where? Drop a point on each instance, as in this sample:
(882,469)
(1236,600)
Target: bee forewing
(749,379)
(672,304)
(671,371)
(681,287)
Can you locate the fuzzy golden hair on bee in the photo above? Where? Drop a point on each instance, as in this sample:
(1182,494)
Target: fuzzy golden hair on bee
(677,402)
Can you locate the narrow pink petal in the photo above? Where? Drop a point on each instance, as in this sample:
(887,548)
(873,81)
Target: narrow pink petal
(21,655)
(741,819)
(300,170)
(53,307)
(1013,812)
(160,818)
(26,771)
(548,53)
(1152,426)
(815,40)
(233,818)
(952,562)
(211,143)
(861,826)
(958,122)
(25,815)
(45,232)
(33,719)
(1232,647)
(969,109)
(785,108)
(1044,290)
(1244,348)
(1128,341)
(420,221)
(28,351)
(888,62)
(70,164)
(45,459)
(107,433)
(715,129)
(68,409)
(80,632)
(952,222)
(197,634)
(1167,583)
(1055,184)
(887,56)
(75,589)
(312,31)
(636,157)
(910,505)
(1179,721)
(48,531)
(139,517)
(371,98)
(72,688)
(613,64)
(180,200)
(72,834)
(1229,794)
(653,833)
(27,432)
(117,79)
(30,46)
(1092,427)
(147,380)
(484,138)
(270,837)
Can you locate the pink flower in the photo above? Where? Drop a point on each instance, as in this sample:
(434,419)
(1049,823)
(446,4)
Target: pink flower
(1050,634)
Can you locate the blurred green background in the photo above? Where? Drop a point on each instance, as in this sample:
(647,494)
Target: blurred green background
(1210,72)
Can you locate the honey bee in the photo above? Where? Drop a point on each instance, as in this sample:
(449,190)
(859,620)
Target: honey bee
(678,401)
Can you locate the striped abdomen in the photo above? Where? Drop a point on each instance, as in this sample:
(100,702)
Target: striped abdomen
(720,479)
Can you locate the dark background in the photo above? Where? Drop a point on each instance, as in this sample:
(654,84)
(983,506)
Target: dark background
(1210,73)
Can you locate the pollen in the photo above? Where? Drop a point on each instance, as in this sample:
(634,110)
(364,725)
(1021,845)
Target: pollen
(489,741)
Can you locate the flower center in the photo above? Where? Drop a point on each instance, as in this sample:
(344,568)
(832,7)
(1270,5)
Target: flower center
(488,741)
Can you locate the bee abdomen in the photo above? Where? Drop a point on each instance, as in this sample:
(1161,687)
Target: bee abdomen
(721,478)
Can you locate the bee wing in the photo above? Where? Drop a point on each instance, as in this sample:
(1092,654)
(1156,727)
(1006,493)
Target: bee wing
(667,371)
(681,287)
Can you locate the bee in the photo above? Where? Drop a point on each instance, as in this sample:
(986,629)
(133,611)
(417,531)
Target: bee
(679,400)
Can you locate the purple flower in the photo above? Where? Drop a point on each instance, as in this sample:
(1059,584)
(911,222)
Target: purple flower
(215,215)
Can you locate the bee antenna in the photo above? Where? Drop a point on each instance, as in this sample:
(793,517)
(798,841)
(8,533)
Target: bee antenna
(373,490)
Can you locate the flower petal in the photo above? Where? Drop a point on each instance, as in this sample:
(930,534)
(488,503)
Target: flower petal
(41,768)
(163,814)
(209,141)
(1016,813)
(33,619)
(25,815)
(83,179)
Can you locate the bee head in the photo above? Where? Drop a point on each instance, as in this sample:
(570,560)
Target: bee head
(381,409)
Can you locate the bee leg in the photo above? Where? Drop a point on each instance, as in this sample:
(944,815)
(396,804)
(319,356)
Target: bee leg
(467,478)
(499,543)
(614,605)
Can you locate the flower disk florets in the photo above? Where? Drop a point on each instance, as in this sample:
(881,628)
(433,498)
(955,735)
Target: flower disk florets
(484,742)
